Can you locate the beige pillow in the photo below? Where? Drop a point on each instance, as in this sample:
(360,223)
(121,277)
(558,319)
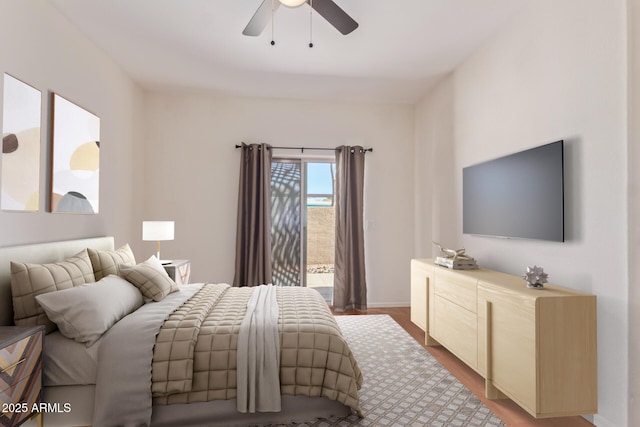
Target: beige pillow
(29,280)
(107,262)
(83,313)
(150,277)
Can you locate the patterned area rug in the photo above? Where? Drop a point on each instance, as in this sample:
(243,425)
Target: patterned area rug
(403,384)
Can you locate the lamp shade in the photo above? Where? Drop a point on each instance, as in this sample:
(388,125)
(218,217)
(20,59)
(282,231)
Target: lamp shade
(292,3)
(157,230)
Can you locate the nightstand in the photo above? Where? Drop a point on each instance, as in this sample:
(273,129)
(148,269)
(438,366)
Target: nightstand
(20,373)
(179,270)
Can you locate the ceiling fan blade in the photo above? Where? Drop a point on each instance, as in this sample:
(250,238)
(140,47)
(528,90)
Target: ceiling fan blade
(261,18)
(335,15)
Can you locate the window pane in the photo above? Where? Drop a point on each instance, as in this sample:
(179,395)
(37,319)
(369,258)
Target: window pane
(320,184)
(320,230)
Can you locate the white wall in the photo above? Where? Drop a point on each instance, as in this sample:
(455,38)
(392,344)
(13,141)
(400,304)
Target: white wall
(558,71)
(192,171)
(41,48)
(434,172)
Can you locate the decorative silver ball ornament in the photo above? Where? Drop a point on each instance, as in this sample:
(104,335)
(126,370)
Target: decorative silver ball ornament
(535,277)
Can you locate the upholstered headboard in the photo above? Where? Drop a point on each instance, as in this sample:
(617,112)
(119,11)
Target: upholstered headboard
(39,253)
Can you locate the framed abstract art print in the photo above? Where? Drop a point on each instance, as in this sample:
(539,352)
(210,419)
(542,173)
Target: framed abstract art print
(75,158)
(21,123)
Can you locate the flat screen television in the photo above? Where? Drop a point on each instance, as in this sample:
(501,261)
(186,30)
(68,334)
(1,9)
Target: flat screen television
(516,196)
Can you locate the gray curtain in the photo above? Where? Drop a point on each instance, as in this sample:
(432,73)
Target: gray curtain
(253,236)
(349,281)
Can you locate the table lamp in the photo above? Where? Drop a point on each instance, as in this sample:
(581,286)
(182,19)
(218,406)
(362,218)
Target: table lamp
(158,231)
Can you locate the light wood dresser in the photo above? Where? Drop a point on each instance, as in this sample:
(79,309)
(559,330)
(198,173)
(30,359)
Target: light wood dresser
(535,346)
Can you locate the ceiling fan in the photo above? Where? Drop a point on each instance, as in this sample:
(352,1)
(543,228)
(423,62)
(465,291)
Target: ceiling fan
(326,8)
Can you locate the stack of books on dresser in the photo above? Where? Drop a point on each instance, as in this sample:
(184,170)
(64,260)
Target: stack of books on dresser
(466,263)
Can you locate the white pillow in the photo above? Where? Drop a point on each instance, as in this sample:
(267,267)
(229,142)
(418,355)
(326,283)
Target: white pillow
(83,313)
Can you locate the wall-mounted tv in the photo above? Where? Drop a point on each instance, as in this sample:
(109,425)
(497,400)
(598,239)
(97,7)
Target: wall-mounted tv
(516,196)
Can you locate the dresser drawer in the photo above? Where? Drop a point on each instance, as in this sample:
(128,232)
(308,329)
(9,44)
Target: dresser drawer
(16,402)
(20,359)
(457,288)
(20,373)
(456,328)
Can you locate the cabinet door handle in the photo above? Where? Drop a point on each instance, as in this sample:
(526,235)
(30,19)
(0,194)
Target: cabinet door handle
(12,365)
(488,342)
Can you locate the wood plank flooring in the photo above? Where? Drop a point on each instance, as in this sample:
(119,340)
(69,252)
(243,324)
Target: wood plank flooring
(510,413)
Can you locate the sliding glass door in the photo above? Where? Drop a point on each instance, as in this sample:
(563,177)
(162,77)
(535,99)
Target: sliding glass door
(320,227)
(303,223)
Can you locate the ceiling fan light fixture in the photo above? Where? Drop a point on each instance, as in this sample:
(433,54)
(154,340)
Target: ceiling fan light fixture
(292,3)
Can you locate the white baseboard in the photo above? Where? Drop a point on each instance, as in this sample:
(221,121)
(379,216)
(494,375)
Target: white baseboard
(601,421)
(388,304)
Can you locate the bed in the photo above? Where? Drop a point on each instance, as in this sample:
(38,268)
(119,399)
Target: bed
(184,367)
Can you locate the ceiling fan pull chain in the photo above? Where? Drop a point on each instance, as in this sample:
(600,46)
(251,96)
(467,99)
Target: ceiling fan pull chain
(311,24)
(273,42)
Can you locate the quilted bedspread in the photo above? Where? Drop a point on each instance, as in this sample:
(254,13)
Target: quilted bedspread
(195,354)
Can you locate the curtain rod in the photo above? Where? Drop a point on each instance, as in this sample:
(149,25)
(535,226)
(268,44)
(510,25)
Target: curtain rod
(370,150)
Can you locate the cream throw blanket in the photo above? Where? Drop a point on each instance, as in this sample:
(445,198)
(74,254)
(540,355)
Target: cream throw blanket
(258,355)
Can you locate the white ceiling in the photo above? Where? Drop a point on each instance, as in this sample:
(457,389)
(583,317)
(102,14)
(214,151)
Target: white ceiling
(398,51)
